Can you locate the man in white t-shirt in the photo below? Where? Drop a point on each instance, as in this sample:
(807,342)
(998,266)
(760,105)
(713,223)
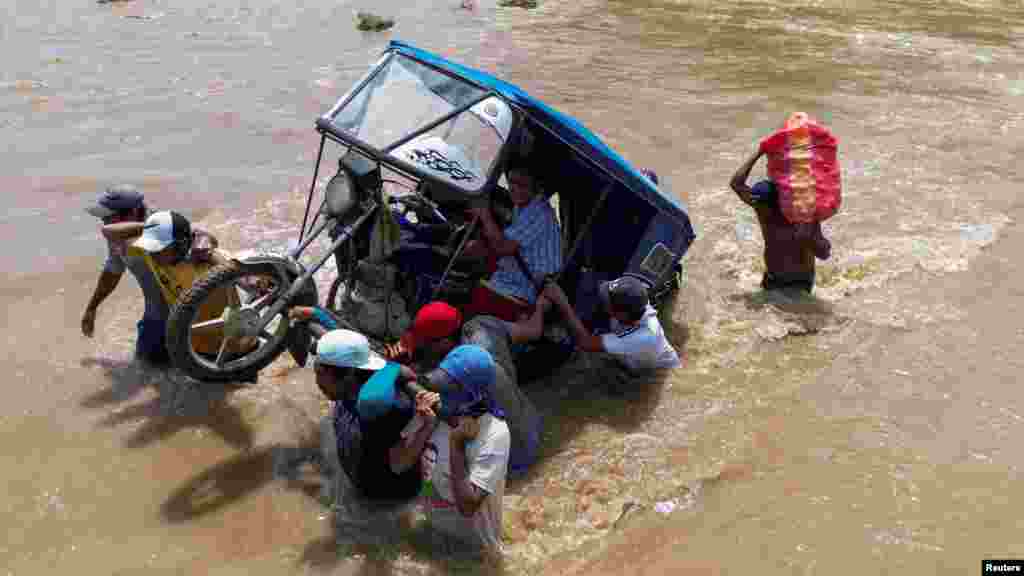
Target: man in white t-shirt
(466,458)
(637,340)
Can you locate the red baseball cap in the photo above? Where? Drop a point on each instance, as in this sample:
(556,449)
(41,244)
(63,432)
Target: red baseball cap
(434,321)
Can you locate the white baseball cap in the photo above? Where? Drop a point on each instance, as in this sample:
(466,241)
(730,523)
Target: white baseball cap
(162,229)
(347,349)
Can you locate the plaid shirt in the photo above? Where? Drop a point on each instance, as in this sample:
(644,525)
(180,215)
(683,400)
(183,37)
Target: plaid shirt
(536,229)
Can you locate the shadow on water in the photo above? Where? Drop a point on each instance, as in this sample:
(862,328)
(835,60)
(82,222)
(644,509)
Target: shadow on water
(178,404)
(219,486)
(230,481)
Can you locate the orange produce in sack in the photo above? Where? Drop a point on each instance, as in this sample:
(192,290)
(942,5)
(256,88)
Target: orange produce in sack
(803,165)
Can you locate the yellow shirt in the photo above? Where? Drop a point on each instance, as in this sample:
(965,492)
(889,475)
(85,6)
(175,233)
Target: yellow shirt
(177,279)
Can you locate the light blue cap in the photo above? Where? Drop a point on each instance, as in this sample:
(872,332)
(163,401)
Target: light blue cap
(347,349)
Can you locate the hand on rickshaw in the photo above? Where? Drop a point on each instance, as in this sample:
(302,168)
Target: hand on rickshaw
(543,304)
(478,212)
(395,351)
(554,293)
(203,246)
(300,313)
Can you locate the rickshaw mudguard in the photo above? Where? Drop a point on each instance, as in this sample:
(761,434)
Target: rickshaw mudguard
(299,337)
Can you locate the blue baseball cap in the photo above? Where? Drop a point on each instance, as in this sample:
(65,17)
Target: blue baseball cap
(473,368)
(628,294)
(117,198)
(347,349)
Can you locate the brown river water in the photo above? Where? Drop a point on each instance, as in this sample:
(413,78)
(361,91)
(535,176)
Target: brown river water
(870,430)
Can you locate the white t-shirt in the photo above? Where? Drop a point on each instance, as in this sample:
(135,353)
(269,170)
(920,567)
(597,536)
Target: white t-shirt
(642,347)
(487,460)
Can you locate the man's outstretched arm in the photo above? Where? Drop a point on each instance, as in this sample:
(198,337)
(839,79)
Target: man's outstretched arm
(584,338)
(104,287)
(122,230)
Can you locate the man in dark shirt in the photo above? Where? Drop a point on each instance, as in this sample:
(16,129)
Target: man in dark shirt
(381,464)
(789,249)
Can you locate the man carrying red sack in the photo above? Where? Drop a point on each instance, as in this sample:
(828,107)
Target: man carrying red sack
(789,249)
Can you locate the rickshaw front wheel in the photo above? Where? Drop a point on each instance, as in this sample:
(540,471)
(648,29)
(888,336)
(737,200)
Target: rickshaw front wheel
(210,333)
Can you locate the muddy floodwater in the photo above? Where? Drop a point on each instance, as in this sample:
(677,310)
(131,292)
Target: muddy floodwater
(872,429)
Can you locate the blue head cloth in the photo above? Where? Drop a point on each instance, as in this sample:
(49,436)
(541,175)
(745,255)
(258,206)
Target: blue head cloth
(379,395)
(473,368)
(764,192)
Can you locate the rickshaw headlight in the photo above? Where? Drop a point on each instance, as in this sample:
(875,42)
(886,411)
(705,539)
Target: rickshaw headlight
(340,194)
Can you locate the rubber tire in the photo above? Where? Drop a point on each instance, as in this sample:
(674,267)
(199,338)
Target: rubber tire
(178,344)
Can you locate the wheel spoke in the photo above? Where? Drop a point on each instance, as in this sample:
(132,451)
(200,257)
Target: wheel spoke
(259,291)
(220,353)
(215,323)
(261,301)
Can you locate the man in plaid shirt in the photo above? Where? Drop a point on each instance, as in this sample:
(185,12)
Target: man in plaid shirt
(533,233)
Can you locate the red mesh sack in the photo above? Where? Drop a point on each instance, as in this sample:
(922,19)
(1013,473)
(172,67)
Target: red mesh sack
(803,165)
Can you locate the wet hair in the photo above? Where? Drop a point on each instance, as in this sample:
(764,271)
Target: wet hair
(138,213)
(181,229)
(347,373)
(347,377)
(520,169)
(523,170)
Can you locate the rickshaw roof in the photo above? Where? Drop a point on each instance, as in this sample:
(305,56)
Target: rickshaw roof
(565,127)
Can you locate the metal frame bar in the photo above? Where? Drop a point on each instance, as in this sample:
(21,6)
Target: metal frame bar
(586,228)
(448,73)
(393,161)
(312,186)
(455,255)
(381,62)
(312,236)
(436,123)
(298,285)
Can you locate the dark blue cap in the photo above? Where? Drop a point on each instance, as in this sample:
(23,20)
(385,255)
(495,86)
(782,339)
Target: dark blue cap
(118,198)
(627,294)
(764,191)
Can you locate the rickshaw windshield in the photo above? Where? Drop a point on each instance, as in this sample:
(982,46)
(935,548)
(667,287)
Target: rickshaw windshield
(404,97)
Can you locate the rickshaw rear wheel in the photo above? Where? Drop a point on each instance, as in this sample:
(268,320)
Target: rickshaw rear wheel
(266,283)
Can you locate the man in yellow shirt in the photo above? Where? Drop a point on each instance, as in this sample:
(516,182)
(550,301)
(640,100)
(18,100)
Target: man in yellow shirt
(167,256)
